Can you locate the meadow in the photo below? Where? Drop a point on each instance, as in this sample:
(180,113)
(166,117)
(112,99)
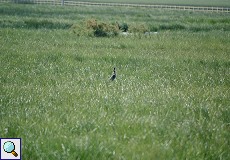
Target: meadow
(170,99)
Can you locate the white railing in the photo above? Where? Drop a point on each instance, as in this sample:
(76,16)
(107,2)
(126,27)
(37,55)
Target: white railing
(77,3)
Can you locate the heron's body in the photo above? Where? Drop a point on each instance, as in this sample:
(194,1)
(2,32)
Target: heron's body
(114,75)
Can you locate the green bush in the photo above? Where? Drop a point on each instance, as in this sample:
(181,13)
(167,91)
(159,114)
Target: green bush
(153,28)
(139,28)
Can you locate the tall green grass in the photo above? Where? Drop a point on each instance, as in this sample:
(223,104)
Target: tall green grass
(170,99)
(56,17)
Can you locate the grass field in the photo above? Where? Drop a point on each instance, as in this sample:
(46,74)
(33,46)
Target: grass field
(170,100)
(222,3)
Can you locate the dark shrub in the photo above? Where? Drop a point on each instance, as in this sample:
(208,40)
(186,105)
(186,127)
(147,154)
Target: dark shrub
(124,27)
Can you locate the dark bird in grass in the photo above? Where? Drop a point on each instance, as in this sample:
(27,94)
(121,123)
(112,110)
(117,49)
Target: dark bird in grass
(114,74)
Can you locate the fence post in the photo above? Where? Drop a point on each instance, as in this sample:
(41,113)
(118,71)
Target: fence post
(62,2)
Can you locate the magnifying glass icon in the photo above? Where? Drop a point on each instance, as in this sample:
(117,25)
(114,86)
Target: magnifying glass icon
(9,147)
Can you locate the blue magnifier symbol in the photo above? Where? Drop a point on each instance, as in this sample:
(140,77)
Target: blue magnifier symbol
(9,147)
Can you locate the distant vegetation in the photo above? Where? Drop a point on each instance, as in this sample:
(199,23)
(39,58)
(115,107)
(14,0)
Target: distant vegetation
(223,3)
(128,20)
